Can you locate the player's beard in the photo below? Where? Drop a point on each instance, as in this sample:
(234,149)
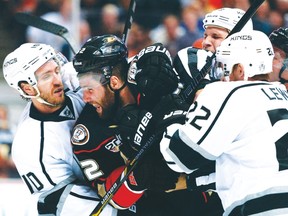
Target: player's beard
(55,97)
(107,104)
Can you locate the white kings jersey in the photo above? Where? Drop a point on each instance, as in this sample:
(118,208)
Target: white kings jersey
(43,157)
(243,126)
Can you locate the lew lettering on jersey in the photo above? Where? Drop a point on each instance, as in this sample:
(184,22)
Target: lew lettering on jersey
(80,135)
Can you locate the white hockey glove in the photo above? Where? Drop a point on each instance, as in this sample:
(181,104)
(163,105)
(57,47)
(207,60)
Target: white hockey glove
(69,76)
(68,73)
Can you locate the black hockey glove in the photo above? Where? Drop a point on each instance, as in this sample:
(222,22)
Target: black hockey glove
(151,70)
(170,109)
(153,174)
(135,126)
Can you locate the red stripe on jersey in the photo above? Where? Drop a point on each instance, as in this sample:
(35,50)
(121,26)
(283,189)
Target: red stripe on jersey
(205,197)
(138,98)
(95,149)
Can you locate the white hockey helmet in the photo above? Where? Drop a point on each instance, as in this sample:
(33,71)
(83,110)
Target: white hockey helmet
(22,63)
(252,49)
(226,18)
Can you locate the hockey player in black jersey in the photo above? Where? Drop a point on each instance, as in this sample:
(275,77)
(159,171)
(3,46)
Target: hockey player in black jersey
(119,107)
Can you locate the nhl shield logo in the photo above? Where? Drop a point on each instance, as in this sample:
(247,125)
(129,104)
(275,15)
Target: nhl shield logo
(80,135)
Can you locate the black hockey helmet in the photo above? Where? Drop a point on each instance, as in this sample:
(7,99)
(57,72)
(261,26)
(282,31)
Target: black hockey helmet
(279,38)
(101,53)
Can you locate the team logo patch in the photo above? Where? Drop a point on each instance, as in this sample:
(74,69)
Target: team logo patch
(80,135)
(262,67)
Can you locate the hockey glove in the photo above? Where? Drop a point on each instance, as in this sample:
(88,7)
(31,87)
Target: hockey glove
(153,174)
(151,70)
(170,109)
(135,127)
(69,77)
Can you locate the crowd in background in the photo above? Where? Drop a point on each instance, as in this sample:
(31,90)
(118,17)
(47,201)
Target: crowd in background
(175,23)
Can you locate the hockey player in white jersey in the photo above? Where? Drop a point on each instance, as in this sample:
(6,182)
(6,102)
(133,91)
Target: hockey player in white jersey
(193,64)
(243,126)
(41,148)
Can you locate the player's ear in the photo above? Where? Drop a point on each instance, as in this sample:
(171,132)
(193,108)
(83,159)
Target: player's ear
(28,89)
(239,72)
(115,82)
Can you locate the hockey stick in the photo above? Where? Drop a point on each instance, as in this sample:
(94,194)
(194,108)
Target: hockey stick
(187,92)
(129,20)
(119,181)
(45,25)
(247,15)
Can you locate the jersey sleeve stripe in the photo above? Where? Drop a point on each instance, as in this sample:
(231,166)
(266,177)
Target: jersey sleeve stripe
(185,153)
(223,106)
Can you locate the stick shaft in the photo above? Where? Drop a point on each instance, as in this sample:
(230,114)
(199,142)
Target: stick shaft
(45,25)
(248,15)
(129,20)
(119,181)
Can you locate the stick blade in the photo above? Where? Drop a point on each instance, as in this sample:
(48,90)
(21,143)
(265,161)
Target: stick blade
(38,22)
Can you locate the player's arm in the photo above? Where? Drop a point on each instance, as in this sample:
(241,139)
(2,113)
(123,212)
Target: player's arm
(150,173)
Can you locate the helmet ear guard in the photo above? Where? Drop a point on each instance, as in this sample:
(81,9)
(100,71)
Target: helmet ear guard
(251,49)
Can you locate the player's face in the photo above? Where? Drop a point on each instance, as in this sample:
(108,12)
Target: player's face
(213,36)
(50,84)
(98,95)
(280,59)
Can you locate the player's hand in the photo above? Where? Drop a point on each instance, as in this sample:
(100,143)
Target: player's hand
(192,65)
(153,174)
(69,76)
(151,70)
(170,109)
(135,127)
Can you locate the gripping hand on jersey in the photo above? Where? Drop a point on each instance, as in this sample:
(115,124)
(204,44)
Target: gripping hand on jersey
(192,65)
(151,70)
(137,125)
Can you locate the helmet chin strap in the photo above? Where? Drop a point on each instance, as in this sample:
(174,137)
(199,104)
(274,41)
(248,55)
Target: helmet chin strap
(117,97)
(39,99)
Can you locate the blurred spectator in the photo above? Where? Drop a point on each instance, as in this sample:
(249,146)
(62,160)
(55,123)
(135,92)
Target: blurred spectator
(139,38)
(189,22)
(168,32)
(276,19)
(150,13)
(109,22)
(7,167)
(282,7)
(261,18)
(241,4)
(62,17)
